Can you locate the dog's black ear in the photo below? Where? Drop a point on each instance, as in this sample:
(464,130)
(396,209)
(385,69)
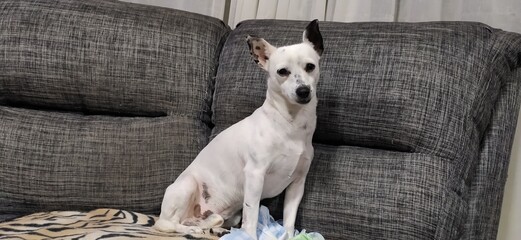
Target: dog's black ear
(260,50)
(312,36)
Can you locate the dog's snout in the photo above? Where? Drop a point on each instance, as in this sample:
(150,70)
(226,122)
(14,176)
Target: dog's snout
(303,92)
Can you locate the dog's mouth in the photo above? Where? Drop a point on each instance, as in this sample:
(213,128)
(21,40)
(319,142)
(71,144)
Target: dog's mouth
(304,100)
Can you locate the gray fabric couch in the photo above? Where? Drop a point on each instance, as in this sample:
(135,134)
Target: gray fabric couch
(104,103)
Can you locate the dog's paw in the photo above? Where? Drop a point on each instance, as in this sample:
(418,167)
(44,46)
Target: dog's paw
(194,230)
(219,232)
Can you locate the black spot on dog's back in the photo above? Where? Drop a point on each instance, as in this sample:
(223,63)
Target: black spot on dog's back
(207,213)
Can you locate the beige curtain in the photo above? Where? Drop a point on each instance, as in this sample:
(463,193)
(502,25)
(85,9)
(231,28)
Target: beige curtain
(276,9)
(504,14)
(214,8)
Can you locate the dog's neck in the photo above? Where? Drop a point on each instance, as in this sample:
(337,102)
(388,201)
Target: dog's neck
(295,114)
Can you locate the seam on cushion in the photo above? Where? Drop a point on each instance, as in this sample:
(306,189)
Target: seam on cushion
(500,54)
(82,110)
(170,114)
(460,204)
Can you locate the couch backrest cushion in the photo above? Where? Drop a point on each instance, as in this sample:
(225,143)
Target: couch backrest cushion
(107,56)
(102,103)
(402,86)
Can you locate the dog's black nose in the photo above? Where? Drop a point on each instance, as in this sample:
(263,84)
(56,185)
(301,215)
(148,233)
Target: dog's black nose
(303,92)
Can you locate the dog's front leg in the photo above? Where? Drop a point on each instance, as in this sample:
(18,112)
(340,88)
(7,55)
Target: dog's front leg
(293,196)
(254,183)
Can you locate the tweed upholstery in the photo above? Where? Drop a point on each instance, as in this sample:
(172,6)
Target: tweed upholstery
(418,99)
(102,103)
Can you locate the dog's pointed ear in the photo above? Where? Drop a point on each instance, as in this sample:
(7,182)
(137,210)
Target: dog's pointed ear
(312,36)
(260,50)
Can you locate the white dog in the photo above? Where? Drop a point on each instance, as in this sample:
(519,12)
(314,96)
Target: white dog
(258,157)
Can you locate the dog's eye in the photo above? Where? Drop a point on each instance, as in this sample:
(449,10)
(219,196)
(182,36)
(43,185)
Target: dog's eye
(309,67)
(283,72)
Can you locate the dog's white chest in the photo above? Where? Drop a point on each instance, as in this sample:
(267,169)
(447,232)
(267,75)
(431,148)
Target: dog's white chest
(283,149)
(288,161)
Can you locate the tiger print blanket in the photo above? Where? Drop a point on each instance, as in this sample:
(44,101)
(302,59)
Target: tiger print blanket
(96,224)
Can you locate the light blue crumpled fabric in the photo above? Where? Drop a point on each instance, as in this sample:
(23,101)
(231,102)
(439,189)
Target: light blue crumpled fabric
(269,229)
